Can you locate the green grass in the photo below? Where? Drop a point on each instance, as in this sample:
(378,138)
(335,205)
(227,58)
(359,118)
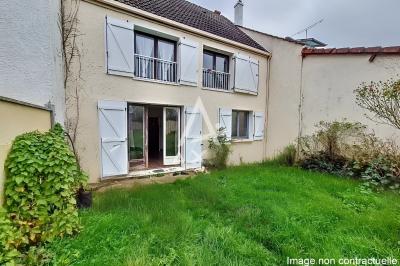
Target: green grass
(247,215)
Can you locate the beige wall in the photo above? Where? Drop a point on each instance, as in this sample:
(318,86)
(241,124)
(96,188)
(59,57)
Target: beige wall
(16,119)
(284,90)
(97,85)
(328,85)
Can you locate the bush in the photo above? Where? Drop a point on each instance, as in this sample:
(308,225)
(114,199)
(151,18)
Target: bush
(346,149)
(220,149)
(287,156)
(10,240)
(42,177)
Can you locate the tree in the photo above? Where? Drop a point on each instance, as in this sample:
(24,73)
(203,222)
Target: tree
(382,99)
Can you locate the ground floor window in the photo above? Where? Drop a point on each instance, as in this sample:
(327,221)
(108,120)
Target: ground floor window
(240,124)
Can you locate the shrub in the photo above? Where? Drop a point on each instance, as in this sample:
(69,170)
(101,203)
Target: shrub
(10,240)
(287,156)
(346,149)
(42,177)
(382,99)
(220,149)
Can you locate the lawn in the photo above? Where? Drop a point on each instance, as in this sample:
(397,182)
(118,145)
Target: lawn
(247,215)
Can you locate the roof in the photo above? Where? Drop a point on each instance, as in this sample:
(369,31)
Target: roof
(352,51)
(288,39)
(194,16)
(312,42)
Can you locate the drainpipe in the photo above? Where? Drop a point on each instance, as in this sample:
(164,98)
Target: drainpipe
(300,126)
(266,119)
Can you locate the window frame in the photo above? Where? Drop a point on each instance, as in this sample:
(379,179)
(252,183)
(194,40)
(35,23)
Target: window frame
(156,39)
(214,56)
(238,137)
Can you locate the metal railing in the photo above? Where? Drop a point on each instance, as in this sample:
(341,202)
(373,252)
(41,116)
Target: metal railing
(154,68)
(216,79)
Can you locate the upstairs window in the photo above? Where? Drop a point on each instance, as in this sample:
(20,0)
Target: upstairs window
(240,124)
(155,58)
(215,70)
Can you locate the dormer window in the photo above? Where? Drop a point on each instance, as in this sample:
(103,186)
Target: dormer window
(155,58)
(215,70)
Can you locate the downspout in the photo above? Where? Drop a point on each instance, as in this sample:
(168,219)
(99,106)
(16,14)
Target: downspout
(266,119)
(300,126)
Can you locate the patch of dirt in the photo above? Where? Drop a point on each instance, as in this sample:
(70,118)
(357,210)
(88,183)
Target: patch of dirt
(137,182)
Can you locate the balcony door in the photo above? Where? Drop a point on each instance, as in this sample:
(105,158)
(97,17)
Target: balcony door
(171,136)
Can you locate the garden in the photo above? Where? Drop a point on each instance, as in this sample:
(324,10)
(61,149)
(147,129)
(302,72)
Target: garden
(333,194)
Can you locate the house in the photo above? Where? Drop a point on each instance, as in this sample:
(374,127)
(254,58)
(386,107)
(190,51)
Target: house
(158,78)
(154,80)
(31,72)
(309,85)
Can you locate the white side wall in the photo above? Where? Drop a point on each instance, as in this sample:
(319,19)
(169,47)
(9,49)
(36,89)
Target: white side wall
(30,53)
(328,85)
(284,91)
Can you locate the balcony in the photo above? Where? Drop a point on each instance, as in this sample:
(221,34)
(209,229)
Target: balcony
(155,69)
(216,80)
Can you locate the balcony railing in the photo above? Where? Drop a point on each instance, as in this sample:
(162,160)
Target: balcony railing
(155,68)
(216,79)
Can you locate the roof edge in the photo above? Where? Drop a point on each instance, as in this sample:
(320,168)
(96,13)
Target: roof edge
(388,50)
(287,39)
(169,22)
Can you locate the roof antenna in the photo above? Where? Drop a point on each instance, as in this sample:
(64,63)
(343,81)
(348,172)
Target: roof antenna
(308,28)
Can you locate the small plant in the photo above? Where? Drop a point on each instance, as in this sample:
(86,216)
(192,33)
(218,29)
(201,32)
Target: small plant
(220,149)
(382,99)
(287,156)
(42,178)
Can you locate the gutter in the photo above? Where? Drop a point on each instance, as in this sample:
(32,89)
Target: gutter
(144,14)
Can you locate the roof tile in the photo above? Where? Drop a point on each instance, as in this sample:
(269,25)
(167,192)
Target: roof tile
(354,50)
(194,16)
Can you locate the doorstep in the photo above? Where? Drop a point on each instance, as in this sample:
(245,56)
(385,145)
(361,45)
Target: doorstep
(145,177)
(156,171)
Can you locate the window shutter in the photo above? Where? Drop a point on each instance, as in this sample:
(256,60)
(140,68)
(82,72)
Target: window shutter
(259,125)
(188,62)
(251,125)
(120,50)
(246,74)
(225,121)
(113,138)
(193,138)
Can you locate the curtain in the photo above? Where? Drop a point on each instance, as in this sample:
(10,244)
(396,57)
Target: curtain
(166,70)
(144,66)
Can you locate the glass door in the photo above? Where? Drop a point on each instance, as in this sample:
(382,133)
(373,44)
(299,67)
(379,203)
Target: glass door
(171,135)
(136,136)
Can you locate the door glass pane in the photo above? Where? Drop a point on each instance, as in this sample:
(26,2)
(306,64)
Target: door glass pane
(208,61)
(166,69)
(234,124)
(171,131)
(136,132)
(221,64)
(144,62)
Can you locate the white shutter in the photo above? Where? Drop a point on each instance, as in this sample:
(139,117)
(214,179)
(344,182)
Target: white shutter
(113,137)
(188,62)
(259,125)
(246,74)
(193,138)
(120,50)
(250,125)
(225,121)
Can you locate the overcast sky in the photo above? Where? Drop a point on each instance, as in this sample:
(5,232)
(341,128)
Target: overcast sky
(346,22)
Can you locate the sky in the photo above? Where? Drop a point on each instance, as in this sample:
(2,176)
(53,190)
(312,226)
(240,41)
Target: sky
(346,23)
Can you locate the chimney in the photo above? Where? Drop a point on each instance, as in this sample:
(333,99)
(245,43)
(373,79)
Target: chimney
(239,13)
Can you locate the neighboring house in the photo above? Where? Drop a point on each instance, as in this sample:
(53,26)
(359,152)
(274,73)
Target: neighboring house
(158,78)
(31,73)
(310,85)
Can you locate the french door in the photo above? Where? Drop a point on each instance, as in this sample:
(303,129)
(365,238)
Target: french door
(171,135)
(136,136)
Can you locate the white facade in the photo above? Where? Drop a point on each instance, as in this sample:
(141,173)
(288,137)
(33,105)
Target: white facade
(30,53)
